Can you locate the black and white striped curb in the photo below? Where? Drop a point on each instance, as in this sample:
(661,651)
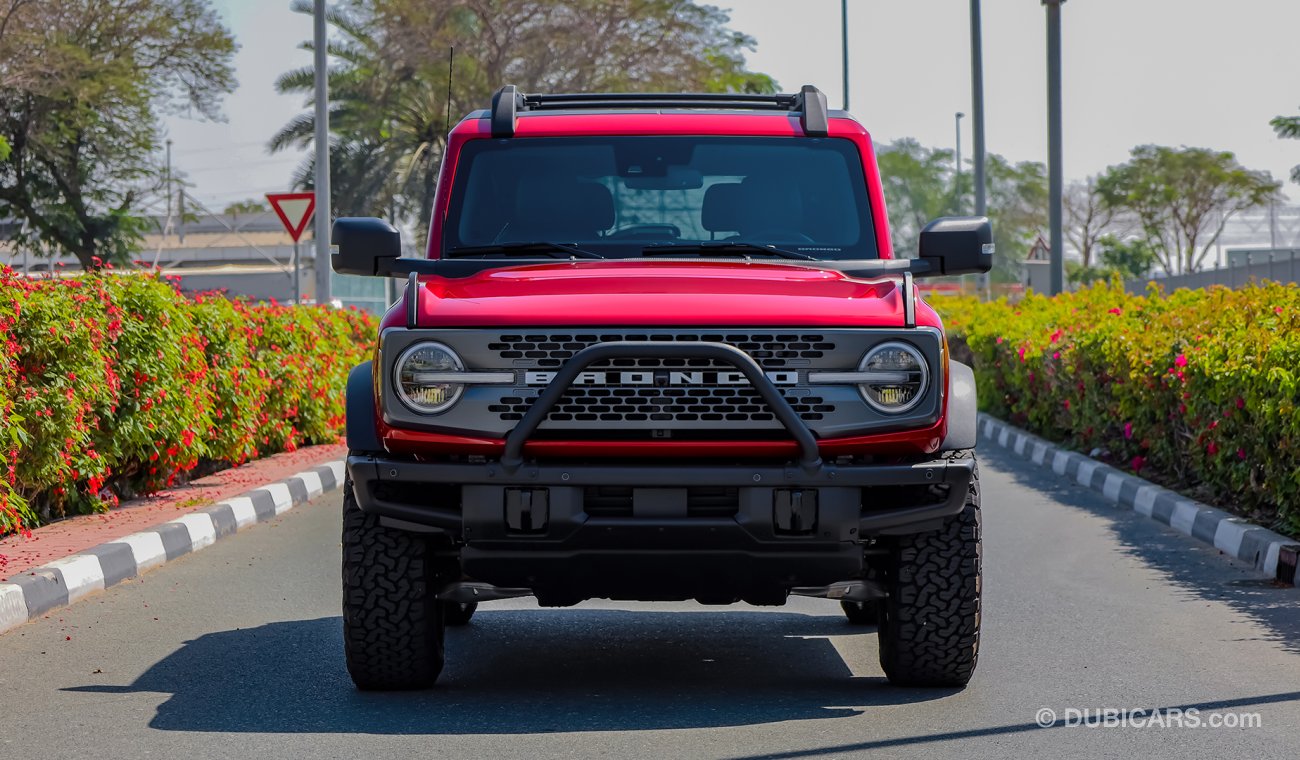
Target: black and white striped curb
(1269,552)
(62,582)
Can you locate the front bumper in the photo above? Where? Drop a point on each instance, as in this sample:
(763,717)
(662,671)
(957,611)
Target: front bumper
(452,495)
(660,529)
(709,532)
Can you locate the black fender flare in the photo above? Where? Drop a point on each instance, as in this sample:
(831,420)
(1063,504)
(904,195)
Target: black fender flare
(362,426)
(962,408)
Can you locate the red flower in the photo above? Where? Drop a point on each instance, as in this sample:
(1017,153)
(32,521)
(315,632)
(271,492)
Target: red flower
(1180,360)
(1128,430)
(1212,448)
(1138,463)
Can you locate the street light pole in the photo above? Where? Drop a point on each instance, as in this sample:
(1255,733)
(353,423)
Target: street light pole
(1056,283)
(322,228)
(167,181)
(977,122)
(977,105)
(957,183)
(844,48)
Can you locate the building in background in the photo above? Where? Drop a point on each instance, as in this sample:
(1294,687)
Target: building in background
(237,254)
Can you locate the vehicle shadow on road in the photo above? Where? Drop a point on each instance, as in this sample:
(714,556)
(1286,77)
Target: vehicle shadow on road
(529,671)
(1198,571)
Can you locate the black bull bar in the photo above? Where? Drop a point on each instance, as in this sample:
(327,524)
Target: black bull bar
(370,472)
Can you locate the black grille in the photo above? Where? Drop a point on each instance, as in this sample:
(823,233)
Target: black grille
(645,404)
(770,350)
(706,402)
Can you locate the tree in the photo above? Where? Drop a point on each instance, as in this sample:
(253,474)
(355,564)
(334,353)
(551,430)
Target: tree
(919,183)
(1288,127)
(1017,201)
(389,105)
(1183,197)
(1123,259)
(1088,218)
(250,206)
(1131,259)
(84,83)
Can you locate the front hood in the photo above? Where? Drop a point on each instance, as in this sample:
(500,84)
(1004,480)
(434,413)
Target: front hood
(659,293)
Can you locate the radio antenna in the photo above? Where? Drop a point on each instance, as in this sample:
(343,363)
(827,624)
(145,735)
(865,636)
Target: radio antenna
(451,58)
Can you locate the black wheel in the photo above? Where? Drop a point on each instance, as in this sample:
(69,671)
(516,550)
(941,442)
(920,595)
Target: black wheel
(860,613)
(392,624)
(930,624)
(458,613)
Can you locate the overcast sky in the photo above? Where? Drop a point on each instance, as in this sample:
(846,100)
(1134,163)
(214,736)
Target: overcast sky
(1204,73)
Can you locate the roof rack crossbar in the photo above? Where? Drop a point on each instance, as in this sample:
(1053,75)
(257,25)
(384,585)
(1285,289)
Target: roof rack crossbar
(809,103)
(570,100)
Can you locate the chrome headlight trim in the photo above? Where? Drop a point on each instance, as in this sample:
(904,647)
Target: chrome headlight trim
(401,392)
(886,376)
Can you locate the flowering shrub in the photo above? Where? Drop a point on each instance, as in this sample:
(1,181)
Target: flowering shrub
(1200,389)
(111,385)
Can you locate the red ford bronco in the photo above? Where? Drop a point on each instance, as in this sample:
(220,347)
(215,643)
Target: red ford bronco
(660,348)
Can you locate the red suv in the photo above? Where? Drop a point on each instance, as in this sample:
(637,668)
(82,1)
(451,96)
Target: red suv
(660,348)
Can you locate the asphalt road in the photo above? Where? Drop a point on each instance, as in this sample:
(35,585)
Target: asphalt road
(235,652)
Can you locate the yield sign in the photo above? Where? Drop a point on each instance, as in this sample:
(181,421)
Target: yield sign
(294,210)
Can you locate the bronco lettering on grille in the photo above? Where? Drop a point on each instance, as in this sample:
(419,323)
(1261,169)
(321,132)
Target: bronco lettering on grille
(662,378)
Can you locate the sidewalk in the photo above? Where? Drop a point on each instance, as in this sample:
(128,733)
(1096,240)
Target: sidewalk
(77,534)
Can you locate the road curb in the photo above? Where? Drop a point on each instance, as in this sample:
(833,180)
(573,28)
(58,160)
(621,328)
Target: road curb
(61,582)
(1267,551)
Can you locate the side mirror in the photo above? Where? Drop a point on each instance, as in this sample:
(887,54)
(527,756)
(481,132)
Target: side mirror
(957,245)
(363,242)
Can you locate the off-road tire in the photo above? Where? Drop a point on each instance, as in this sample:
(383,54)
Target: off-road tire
(392,624)
(458,613)
(860,613)
(930,623)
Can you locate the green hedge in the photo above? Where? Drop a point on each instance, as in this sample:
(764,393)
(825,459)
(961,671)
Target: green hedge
(112,385)
(1197,389)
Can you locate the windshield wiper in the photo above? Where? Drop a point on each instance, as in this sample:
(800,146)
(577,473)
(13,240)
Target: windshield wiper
(723,248)
(537,246)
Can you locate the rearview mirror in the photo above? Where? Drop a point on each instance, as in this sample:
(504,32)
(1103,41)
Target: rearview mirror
(674,178)
(957,245)
(362,243)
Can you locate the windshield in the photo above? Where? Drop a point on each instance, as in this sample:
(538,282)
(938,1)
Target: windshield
(622,196)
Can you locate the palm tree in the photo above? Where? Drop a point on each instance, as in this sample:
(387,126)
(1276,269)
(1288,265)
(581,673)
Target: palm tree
(390,99)
(387,123)
(1288,127)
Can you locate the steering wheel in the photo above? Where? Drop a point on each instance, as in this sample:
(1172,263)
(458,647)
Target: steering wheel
(778,236)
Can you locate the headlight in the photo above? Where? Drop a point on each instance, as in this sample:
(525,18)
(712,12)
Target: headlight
(898,377)
(425,377)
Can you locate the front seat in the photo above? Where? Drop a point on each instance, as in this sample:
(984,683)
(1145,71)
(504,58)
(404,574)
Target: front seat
(563,210)
(770,205)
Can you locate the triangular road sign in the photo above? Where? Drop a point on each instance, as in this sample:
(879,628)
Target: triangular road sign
(294,210)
